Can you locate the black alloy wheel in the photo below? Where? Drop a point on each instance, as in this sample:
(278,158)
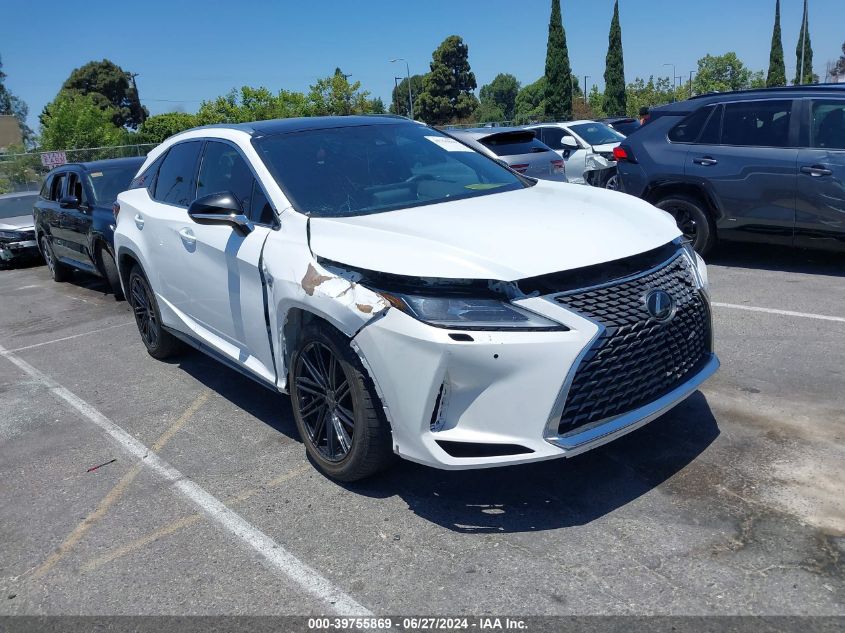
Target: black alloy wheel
(58,271)
(693,221)
(160,343)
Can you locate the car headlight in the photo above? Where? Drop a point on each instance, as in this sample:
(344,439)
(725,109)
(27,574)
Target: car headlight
(463,313)
(700,266)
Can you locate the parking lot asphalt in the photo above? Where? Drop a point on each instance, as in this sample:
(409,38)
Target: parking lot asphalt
(733,503)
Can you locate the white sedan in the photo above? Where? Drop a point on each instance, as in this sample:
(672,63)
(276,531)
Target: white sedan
(412,296)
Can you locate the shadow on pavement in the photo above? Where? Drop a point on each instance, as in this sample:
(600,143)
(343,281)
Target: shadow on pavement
(778,258)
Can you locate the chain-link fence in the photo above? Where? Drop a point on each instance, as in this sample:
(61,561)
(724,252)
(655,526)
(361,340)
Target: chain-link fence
(25,172)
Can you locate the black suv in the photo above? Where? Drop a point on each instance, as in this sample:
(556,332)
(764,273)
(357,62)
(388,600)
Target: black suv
(763,165)
(74,220)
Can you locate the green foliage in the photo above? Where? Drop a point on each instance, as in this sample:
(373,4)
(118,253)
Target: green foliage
(111,88)
(334,95)
(399,96)
(489,112)
(73,120)
(596,101)
(377,106)
(839,67)
(558,89)
(721,73)
(777,70)
(500,94)
(161,126)
(531,102)
(17,169)
(447,93)
(12,105)
(252,104)
(647,94)
(614,73)
(804,53)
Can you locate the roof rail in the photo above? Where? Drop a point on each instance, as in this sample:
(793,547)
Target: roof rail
(828,86)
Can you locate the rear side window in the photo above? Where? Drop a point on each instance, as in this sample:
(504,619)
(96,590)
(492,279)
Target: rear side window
(827,125)
(514,144)
(147,179)
(175,182)
(223,169)
(712,131)
(757,123)
(688,130)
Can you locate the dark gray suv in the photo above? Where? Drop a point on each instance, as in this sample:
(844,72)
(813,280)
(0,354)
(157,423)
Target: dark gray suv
(762,165)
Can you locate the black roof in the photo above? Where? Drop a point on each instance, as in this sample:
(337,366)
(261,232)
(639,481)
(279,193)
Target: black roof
(94,165)
(807,90)
(300,124)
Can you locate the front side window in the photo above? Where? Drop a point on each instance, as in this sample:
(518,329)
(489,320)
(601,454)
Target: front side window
(224,170)
(175,182)
(57,186)
(597,133)
(827,125)
(358,170)
(75,188)
(757,123)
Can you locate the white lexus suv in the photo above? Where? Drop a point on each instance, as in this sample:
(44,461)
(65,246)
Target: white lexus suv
(413,296)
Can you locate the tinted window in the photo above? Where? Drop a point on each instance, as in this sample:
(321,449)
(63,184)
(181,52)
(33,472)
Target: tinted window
(513,144)
(223,169)
(148,177)
(688,130)
(75,188)
(107,182)
(260,210)
(827,126)
(757,123)
(713,128)
(17,204)
(597,133)
(45,188)
(57,185)
(175,183)
(627,127)
(356,170)
(552,136)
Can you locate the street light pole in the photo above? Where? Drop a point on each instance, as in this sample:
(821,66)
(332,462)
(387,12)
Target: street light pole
(674,77)
(690,82)
(586,77)
(410,95)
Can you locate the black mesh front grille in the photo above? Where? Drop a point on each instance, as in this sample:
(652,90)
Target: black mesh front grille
(637,359)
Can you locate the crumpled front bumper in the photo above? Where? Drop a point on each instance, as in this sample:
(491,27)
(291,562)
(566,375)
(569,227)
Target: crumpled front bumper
(500,388)
(12,251)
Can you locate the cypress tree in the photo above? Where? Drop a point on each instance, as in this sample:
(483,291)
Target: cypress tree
(558,91)
(777,70)
(614,71)
(804,56)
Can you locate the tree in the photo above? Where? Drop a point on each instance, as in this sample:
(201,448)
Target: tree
(252,104)
(161,126)
(13,106)
(73,121)
(501,93)
(558,91)
(614,72)
(489,112)
(399,97)
(804,53)
(530,104)
(111,88)
(334,95)
(647,94)
(596,101)
(447,93)
(721,73)
(777,70)
(377,106)
(839,66)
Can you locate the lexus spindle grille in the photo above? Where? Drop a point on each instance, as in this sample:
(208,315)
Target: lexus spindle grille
(637,359)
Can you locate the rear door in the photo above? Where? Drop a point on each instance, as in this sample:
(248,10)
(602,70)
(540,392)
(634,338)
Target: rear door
(749,166)
(820,204)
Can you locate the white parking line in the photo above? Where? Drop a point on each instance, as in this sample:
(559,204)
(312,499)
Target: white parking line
(67,338)
(804,315)
(276,556)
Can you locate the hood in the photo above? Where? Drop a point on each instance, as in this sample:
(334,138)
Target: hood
(17,223)
(546,228)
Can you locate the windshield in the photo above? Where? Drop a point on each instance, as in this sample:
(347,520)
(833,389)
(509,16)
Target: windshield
(597,133)
(346,171)
(14,206)
(106,183)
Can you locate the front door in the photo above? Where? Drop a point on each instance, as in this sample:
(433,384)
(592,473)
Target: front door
(820,204)
(76,223)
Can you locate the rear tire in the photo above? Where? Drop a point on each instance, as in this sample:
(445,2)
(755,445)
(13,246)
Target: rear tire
(692,219)
(58,271)
(109,270)
(159,342)
(336,409)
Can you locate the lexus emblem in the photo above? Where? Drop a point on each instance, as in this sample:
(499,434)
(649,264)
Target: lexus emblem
(660,305)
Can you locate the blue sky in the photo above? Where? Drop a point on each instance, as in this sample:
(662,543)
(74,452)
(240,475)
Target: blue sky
(189,50)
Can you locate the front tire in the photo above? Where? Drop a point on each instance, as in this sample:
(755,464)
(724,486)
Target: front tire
(692,219)
(336,410)
(58,271)
(159,342)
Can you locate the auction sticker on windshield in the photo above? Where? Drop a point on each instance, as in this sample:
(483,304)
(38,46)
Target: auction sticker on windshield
(449,144)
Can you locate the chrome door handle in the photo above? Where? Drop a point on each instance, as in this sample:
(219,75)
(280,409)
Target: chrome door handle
(188,237)
(139,221)
(705,161)
(816,171)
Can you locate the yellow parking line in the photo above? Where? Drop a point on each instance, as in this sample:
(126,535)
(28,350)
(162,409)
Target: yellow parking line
(115,493)
(184,522)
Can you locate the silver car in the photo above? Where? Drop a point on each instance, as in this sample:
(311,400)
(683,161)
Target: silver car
(17,228)
(518,148)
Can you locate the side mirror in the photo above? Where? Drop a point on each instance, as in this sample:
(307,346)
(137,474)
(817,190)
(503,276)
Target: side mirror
(569,142)
(69,202)
(220,208)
